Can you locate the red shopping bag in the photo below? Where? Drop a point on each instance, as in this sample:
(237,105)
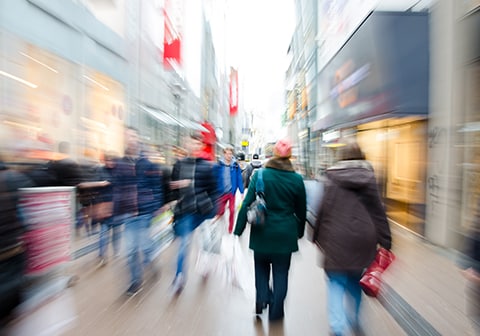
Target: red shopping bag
(371,280)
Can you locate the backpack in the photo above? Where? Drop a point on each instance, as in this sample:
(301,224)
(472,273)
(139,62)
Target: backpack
(257,211)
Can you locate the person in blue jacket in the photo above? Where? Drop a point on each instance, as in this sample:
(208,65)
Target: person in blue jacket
(229,181)
(138,197)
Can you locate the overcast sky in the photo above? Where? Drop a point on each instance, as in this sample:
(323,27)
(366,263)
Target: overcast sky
(258,35)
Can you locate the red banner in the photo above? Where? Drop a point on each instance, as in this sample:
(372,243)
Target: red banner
(233,91)
(171,38)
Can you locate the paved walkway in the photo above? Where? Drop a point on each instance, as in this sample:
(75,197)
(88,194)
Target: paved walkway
(423,295)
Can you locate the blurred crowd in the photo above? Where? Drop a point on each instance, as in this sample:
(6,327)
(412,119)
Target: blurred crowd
(119,199)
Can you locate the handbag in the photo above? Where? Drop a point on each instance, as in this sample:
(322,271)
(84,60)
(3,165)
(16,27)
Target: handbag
(371,280)
(257,211)
(102,210)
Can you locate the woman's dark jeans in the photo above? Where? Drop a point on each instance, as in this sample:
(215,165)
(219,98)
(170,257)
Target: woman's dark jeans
(279,264)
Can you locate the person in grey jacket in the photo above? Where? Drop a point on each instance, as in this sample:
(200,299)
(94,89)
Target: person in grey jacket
(351,224)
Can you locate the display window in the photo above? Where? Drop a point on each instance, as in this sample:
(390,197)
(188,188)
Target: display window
(46,100)
(397,149)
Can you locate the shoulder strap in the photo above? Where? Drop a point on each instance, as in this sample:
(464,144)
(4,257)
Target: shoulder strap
(260,186)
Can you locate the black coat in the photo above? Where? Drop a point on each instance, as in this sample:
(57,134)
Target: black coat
(352,219)
(204,180)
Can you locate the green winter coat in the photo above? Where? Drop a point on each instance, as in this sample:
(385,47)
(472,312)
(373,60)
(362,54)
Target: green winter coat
(286,209)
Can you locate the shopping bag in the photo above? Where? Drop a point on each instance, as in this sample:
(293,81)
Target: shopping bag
(237,269)
(211,232)
(209,260)
(371,280)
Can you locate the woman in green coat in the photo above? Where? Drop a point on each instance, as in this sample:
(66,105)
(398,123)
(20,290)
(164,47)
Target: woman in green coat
(274,241)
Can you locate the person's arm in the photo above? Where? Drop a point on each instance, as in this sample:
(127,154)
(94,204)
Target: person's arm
(301,209)
(373,204)
(155,181)
(241,221)
(238,173)
(248,175)
(95,184)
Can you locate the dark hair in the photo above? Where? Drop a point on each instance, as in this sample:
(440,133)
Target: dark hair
(110,155)
(351,151)
(255,156)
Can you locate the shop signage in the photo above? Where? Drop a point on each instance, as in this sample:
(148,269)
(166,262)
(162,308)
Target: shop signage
(49,214)
(381,70)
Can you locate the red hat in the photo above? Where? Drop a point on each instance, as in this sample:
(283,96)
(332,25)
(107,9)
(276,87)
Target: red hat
(283,149)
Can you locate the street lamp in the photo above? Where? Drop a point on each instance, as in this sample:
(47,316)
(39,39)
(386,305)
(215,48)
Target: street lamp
(177,115)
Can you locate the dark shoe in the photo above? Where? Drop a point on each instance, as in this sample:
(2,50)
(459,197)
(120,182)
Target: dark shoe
(178,284)
(357,330)
(276,318)
(134,289)
(259,307)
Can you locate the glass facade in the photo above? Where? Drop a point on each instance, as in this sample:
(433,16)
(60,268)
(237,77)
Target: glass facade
(46,99)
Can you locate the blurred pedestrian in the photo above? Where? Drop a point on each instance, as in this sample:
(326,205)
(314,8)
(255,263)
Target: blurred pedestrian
(274,242)
(250,169)
(350,225)
(229,181)
(194,186)
(137,197)
(104,201)
(471,272)
(12,248)
(65,170)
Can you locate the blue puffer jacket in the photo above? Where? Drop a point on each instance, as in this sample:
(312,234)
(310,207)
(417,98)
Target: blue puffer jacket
(150,196)
(236,179)
(137,186)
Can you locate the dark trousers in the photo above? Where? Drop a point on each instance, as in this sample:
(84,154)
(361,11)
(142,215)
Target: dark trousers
(11,280)
(279,265)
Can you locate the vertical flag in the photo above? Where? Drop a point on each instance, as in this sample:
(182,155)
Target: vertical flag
(233,91)
(171,37)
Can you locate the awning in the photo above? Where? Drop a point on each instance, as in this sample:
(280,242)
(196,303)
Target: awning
(168,119)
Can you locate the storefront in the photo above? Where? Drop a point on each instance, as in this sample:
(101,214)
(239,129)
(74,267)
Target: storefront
(376,90)
(467,140)
(46,99)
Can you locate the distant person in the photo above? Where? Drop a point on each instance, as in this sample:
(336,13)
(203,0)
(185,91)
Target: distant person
(350,226)
(13,259)
(274,242)
(241,161)
(104,197)
(137,197)
(194,186)
(65,171)
(250,169)
(230,181)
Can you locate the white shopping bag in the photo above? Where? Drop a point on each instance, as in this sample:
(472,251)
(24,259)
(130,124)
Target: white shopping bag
(211,232)
(237,268)
(210,236)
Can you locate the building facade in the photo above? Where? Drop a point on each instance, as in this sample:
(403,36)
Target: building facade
(409,96)
(79,71)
